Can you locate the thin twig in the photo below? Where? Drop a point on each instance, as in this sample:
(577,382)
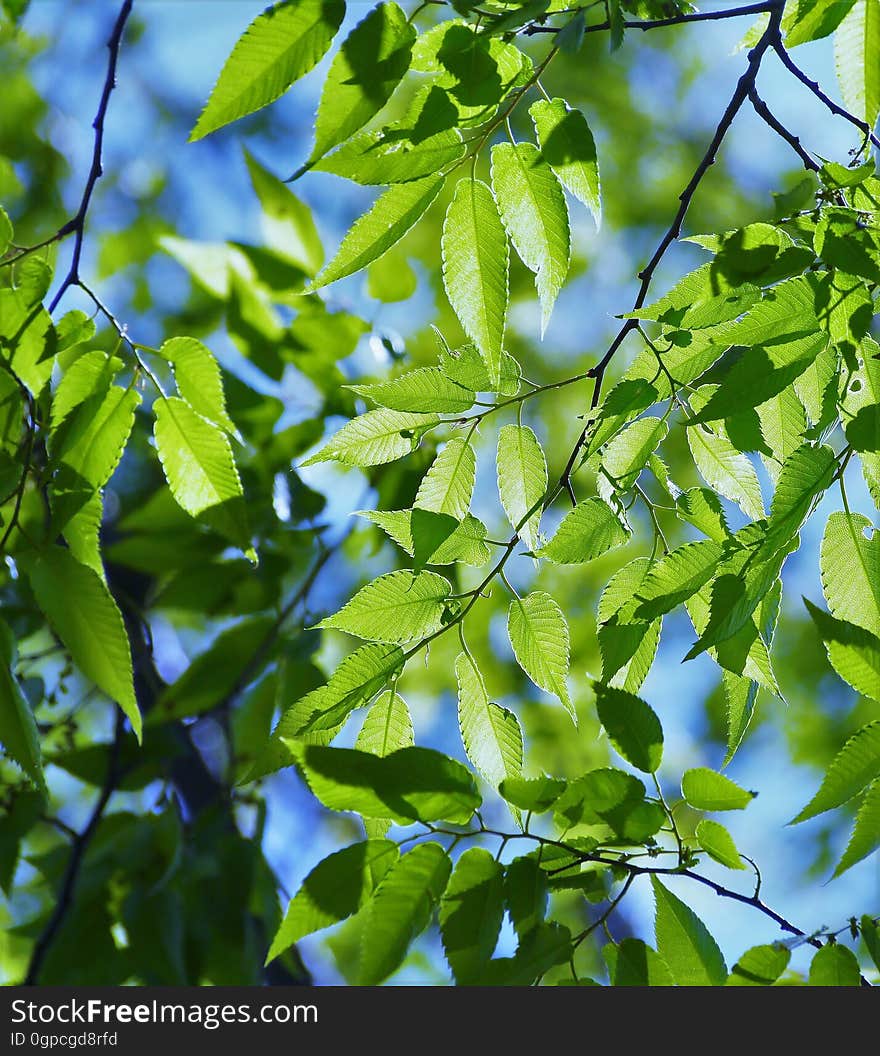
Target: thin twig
(674,20)
(763,111)
(76,225)
(814,87)
(740,94)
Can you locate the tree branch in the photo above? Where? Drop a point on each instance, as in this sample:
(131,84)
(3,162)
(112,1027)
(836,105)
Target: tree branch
(633,871)
(78,850)
(674,20)
(744,86)
(814,87)
(76,225)
(764,112)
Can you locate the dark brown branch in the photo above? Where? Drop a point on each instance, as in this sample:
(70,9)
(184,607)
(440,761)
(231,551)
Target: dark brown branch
(76,225)
(744,86)
(674,20)
(766,115)
(197,788)
(78,850)
(633,871)
(814,87)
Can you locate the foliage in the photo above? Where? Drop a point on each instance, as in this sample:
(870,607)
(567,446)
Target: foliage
(160,489)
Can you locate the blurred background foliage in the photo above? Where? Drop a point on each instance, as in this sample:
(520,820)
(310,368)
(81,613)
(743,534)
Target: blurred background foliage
(186,875)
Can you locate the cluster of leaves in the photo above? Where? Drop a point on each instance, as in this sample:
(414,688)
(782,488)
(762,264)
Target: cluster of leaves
(762,358)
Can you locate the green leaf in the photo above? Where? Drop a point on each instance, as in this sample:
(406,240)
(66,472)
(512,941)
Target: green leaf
(730,611)
(676,577)
(200,470)
(472,71)
(92,439)
(318,714)
(844,242)
(759,966)
(538,633)
(700,299)
(707,790)
(836,176)
(627,645)
(366,70)
(448,485)
(88,376)
(633,963)
(410,784)
(783,424)
(614,797)
(397,607)
(625,401)
(850,567)
(434,538)
(465,366)
(426,390)
(391,278)
(84,615)
(383,225)
(475,263)
(198,379)
(871,936)
(865,838)
(834,965)
(336,888)
(739,704)
(387,727)
(526,893)
(717,842)
(627,454)
(759,373)
(287,225)
(861,419)
(854,652)
(545,946)
(726,470)
(536,794)
(806,473)
(375,438)
(491,735)
(522,480)
(534,212)
(856,46)
(586,532)
(816,388)
(401,909)
(632,727)
(807,20)
(567,145)
(684,943)
(786,313)
(395,155)
(471,911)
(854,767)
(18,727)
(702,508)
(280,46)
(28,339)
(6,231)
